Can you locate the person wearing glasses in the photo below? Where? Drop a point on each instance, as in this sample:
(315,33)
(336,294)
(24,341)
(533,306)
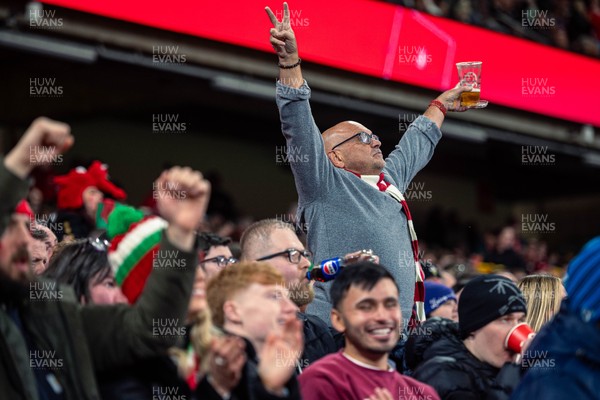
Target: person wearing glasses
(276,243)
(214,254)
(349,194)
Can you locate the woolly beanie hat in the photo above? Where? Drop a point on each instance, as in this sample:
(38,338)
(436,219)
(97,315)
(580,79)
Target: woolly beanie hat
(134,247)
(486,298)
(436,294)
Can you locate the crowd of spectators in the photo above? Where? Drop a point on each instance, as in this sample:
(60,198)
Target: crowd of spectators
(572,25)
(103,300)
(447,241)
(244,332)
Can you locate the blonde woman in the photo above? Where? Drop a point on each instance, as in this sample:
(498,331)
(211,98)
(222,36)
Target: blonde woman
(543,294)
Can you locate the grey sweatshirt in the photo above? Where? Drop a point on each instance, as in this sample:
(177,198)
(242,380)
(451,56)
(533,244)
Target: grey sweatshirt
(342,212)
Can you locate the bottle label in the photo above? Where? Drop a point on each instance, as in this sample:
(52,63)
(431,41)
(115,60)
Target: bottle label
(331,267)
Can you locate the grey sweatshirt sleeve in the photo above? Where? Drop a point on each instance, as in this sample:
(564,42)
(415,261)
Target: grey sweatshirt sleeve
(413,152)
(313,172)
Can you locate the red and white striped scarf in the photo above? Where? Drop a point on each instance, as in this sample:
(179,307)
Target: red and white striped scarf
(418,311)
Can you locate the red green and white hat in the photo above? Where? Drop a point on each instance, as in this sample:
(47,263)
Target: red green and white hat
(134,245)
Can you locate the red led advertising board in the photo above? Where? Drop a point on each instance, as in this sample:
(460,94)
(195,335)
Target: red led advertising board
(387,41)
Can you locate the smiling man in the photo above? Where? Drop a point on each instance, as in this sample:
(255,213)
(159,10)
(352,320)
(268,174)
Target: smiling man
(250,301)
(366,310)
(349,194)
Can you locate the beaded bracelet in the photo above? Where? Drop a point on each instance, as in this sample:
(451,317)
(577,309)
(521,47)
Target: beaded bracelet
(290,66)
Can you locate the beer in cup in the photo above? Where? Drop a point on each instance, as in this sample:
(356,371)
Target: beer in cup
(469,73)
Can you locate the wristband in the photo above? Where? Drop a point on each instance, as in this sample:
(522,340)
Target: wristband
(439,105)
(290,66)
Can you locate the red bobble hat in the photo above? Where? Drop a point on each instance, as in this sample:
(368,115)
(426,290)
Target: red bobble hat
(72,185)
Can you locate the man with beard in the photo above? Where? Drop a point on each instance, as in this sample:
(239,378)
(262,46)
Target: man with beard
(50,347)
(367,311)
(276,243)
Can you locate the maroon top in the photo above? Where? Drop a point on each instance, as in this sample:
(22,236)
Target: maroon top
(336,377)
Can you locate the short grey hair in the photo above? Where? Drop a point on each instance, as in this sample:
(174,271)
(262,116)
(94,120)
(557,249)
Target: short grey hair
(257,236)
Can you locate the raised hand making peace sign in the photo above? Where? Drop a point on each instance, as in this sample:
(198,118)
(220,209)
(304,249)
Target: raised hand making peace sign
(283,38)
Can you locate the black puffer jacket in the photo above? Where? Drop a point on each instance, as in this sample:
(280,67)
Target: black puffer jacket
(318,340)
(440,359)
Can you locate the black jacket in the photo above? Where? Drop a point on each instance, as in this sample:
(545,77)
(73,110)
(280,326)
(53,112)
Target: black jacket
(318,340)
(440,359)
(155,377)
(83,340)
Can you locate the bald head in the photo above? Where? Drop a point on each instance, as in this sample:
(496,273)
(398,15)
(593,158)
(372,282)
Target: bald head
(354,155)
(340,132)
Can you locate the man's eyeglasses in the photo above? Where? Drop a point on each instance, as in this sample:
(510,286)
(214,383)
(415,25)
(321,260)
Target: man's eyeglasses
(293,255)
(364,137)
(221,261)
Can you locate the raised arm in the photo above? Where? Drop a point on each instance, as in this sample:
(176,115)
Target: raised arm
(450,101)
(305,149)
(415,148)
(284,42)
(54,136)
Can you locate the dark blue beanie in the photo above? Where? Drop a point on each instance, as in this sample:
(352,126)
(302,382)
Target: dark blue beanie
(436,294)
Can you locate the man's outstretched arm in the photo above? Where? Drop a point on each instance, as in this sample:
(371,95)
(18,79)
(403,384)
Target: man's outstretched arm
(416,146)
(284,42)
(447,101)
(305,149)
